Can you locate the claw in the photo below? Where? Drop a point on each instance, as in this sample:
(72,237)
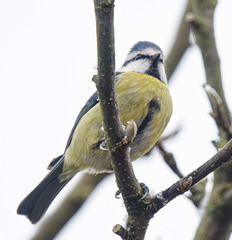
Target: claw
(117,194)
(145,190)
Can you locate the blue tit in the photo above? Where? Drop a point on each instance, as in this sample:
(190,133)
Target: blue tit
(143,96)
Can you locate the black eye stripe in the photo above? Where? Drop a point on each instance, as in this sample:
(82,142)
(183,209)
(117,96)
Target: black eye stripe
(138,57)
(141,56)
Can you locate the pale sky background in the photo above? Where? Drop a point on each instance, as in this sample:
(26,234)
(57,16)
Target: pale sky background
(47,59)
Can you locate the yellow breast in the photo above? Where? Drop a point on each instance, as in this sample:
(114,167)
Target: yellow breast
(133,104)
(134,91)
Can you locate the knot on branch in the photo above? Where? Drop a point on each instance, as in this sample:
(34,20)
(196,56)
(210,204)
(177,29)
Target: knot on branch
(94,79)
(185,184)
(130,135)
(121,232)
(131,132)
(193,19)
(197,24)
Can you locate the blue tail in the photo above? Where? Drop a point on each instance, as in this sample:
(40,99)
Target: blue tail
(37,202)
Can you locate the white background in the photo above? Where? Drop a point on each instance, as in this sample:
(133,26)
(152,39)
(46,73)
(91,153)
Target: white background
(47,59)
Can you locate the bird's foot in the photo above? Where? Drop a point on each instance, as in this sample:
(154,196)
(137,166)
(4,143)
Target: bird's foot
(145,191)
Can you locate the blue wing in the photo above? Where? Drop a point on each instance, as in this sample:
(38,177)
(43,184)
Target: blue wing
(93,100)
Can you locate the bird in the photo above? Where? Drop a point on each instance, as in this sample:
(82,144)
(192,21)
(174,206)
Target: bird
(143,96)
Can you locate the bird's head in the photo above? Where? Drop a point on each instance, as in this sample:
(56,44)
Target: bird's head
(147,58)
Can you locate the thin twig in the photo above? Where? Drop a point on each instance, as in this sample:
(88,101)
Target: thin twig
(168,156)
(220,158)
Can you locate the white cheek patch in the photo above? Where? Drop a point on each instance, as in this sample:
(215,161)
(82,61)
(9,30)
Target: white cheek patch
(140,66)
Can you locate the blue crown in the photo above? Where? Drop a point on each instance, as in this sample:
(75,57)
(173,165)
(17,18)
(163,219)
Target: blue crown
(144,44)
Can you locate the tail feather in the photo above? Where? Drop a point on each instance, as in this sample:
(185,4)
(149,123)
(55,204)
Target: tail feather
(37,202)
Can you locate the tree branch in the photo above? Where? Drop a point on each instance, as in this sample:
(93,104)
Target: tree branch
(157,202)
(219,113)
(217,220)
(117,142)
(220,158)
(140,209)
(198,190)
(181,43)
(201,20)
(168,156)
(105,84)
